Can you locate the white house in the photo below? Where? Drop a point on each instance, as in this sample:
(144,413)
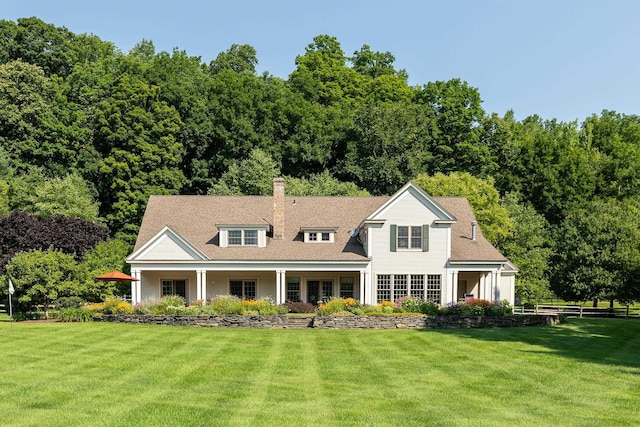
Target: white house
(314,248)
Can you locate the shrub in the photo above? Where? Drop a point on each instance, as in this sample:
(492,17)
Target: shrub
(75,314)
(96,307)
(264,306)
(478,306)
(332,306)
(409,304)
(116,306)
(300,307)
(500,308)
(430,308)
(69,302)
(170,304)
(224,304)
(28,315)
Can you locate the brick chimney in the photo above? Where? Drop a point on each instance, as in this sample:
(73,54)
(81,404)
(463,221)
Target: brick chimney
(278,208)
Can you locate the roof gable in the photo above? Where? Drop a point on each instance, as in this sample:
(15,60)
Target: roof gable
(167,245)
(421,196)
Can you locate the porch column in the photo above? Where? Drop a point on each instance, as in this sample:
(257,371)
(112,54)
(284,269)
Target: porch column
(203,284)
(283,285)
(454,286)
(281,292)
(198,285)
(488,281)
(495,291)
(136,287)
(362,278)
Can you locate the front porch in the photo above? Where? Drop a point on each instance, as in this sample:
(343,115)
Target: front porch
(312,286)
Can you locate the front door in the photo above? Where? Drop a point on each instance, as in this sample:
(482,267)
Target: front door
(313,291)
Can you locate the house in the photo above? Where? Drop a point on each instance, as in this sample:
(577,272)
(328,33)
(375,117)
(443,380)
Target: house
(315,248)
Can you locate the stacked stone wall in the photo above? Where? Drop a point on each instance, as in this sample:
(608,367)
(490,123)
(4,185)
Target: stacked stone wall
(338,322)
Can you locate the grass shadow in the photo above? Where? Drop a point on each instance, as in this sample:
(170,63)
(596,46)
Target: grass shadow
(604,341)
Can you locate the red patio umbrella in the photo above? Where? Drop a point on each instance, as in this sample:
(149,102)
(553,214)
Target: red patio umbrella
(116,276)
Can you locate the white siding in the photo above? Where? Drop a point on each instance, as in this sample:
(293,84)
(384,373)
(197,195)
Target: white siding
(166,248)
(408,211)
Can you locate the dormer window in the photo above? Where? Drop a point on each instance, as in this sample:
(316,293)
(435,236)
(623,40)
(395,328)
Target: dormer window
(243,235)
(319,234)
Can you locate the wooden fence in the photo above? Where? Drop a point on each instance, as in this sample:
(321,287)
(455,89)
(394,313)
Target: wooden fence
(579,311)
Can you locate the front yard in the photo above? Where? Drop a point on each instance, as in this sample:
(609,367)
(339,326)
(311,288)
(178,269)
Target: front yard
(583,372)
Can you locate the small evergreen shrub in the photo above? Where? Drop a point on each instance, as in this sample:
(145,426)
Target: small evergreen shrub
(69,302)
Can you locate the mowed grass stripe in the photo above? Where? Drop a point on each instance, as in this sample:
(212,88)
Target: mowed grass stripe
(583,372)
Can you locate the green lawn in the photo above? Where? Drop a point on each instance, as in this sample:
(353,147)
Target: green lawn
(584,372)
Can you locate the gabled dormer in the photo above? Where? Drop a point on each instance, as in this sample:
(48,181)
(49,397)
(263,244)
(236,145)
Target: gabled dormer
(238,235)
(411,221)
(318,234)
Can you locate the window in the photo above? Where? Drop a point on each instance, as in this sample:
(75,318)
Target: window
(404,242)
(346,287)
(318,234)
(327,290)
(417,286)
(407,237)
(244,289)
(434,285)
(235,237)
(243,237)
(174,287)
(293,289)
(399,286)
(251,237)
(384,287)
(392,287)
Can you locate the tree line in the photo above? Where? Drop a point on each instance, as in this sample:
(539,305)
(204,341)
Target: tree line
(90,132)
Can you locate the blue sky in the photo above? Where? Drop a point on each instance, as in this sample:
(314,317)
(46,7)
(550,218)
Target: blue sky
(563,59)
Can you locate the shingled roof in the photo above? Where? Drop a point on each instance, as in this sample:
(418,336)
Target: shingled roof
(194,218)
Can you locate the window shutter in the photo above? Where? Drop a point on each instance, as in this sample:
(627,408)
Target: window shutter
(393,238)
(425,237)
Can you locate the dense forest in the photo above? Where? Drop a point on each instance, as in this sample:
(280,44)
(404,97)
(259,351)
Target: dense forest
(88,133)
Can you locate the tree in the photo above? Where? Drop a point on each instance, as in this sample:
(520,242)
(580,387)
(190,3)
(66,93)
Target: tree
(41,277)
(482,195)
(616,137)
(239,59)
(598,252)
(322,184)
(68,196)
(135,135)
(556,171)
(528,246)
(36,42)
(375,64)
(21,232)
(105,257)
(389,144)
(322,76)
(253,176)
(458,146)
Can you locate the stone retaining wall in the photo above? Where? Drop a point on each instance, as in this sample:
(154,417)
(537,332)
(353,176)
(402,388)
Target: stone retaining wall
(338,322)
